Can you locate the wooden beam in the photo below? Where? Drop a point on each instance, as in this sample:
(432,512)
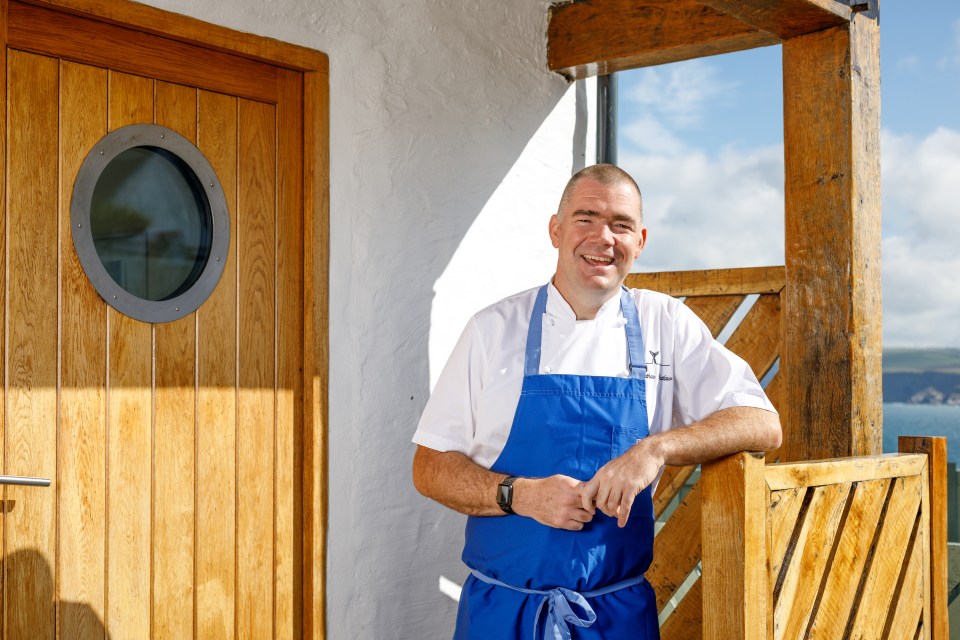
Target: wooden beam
(710,282)
(817,473)
(735,590)
(831,334)
(785,18)
(596,37)
(185,29)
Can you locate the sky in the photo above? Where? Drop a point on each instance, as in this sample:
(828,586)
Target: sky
(704,138)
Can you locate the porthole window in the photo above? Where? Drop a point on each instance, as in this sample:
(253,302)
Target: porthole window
(150,223)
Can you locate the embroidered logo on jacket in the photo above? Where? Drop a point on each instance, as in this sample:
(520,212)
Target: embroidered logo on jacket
(661,376)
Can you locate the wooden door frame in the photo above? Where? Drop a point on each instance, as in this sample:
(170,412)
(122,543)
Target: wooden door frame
(314,66)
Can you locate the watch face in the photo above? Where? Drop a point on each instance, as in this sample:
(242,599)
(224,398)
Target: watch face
(503,495)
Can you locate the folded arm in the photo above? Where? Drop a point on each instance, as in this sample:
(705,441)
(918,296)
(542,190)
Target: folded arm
(616,485)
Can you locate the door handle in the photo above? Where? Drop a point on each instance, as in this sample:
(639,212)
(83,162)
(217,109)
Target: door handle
(24,481)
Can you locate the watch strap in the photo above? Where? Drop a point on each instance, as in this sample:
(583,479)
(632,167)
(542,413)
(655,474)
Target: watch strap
(505,494)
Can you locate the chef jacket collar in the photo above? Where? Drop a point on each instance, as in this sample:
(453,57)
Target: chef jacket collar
(558,308)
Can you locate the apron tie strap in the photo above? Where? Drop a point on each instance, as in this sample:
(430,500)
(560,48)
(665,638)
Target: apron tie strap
(558,601)
(560,614)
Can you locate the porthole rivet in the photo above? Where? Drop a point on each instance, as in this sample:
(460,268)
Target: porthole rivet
(114,297)
(80,224)
(177,308)
(161,135)
(101,153)
(218,258)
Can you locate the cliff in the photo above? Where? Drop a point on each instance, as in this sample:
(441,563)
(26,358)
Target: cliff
(921,376)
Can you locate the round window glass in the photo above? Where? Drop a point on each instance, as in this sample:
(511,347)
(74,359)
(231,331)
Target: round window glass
(150,223)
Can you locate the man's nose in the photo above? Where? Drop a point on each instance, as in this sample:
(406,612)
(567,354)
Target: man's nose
(605,234)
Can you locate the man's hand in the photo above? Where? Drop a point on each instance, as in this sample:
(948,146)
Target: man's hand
(617,483)
(554,501)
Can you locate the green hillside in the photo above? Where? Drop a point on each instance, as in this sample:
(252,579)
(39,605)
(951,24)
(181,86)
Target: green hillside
(905,360)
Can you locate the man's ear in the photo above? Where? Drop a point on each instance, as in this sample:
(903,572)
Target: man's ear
(555,231)
(642,242)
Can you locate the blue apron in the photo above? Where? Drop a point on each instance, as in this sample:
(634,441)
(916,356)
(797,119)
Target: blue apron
(531,581)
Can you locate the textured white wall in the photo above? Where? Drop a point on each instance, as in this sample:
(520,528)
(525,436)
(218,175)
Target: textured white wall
(450,143)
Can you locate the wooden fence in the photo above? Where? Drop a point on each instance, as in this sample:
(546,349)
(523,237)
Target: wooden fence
(714,295)
(842,548)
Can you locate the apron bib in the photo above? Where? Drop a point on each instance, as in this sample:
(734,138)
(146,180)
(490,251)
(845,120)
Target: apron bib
(531,581)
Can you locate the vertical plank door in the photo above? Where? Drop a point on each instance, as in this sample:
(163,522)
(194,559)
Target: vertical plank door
(175,449)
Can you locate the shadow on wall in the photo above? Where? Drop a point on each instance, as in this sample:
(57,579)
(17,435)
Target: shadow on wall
(31,606)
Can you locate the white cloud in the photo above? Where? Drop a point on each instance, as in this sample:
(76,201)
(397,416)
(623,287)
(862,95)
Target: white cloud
(701,210)
(651,135)
(711,212)
(678,94)
(726,210)
(921,263)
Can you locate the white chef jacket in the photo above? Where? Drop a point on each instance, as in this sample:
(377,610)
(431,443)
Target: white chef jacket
(689,374)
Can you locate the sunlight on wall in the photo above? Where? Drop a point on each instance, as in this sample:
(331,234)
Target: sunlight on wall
(507,248)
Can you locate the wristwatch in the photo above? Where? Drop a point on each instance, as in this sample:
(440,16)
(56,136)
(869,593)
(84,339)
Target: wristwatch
(505,494)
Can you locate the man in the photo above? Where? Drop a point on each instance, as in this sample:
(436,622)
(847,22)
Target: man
(554,416)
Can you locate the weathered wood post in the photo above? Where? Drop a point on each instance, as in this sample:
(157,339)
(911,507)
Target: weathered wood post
(832,328)
(734,560)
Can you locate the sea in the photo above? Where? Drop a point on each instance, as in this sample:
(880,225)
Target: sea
(900,419)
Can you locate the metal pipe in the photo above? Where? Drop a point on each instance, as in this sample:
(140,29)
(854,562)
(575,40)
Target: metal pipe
(24,481)
(607,118)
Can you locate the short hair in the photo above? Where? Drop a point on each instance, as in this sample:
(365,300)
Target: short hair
(608,174)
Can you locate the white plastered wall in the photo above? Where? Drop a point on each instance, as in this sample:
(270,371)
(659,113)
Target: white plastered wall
(450,144)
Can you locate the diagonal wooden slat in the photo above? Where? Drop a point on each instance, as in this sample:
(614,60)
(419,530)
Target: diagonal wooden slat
(686,621)
(757,339)
(677,548)
(671,482)
(814,540)
(894,539)
(774,392)
(715,311)
(836,600)
(784,511)
(906,609)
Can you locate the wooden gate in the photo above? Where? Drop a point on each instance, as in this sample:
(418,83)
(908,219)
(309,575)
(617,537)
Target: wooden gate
(842,548)
(182,455)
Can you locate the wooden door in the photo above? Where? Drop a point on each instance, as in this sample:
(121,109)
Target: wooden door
(174,449)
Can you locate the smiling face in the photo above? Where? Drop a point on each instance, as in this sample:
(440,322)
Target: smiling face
(599,232)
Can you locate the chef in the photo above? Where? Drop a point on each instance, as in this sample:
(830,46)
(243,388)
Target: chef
(553,418)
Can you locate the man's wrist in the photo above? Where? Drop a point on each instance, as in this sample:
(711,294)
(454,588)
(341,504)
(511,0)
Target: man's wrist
(521,491)
(652,447)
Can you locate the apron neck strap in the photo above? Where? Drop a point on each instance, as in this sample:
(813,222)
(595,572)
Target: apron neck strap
(531,365)
(638,367)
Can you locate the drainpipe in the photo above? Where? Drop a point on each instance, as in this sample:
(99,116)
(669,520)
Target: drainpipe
(607,118)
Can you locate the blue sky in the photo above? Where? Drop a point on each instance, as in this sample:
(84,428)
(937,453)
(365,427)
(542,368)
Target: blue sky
(704,139)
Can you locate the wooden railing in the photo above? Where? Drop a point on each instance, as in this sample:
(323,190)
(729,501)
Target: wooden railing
(714,295)
(843,548)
